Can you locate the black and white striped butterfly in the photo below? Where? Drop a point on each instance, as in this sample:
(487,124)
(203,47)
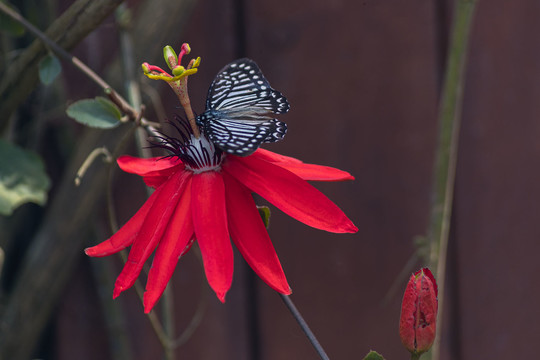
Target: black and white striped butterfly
(239,107)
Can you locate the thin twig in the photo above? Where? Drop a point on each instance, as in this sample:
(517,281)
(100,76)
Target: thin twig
(165,328)
(90,159)
(2,258)
(154,321)
(445,168)
(167,318)
(305,328)
(68,29)
(52,45)
(405,272)
(113,221)
(195,319)
(157,104)
(163,338)
(115,319)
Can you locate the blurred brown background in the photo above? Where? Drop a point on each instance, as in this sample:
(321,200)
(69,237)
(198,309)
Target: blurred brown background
(363,78)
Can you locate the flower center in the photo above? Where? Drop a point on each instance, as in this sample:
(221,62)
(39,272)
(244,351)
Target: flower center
(198,154)
(203,155)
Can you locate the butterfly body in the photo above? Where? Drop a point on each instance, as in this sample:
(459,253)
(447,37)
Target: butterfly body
(239,109)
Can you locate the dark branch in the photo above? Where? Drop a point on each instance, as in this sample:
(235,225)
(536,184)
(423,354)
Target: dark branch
(67,31)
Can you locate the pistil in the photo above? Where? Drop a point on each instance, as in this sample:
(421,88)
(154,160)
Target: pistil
(178,80)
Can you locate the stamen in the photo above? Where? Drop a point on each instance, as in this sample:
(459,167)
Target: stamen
(147,68)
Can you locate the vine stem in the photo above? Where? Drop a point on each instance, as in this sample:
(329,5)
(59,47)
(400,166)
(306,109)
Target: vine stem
(164,329)
(305,328)
(133,114)
(52,45)
(113,95)
(90,159)
(446,158)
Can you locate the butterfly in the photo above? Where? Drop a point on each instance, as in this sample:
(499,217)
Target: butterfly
(239,109)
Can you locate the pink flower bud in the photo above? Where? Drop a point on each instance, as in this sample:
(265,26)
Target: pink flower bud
(419,312)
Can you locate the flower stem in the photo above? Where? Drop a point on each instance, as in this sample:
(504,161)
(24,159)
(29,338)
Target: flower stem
(167,318)
(183,97)
(300,320)
(191,118)
(446,158)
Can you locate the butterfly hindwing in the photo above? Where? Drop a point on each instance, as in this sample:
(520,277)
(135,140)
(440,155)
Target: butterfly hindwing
(239,137)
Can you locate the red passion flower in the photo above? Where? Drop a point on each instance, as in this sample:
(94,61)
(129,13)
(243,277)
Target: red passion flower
(205,195)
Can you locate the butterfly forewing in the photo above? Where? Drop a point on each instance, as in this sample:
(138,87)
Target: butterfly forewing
(241,84)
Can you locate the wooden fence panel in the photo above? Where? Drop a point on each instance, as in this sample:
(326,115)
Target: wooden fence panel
(363,79)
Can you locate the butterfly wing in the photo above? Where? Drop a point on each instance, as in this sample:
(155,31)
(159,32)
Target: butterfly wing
(238,112)
(241,84)
(239,136)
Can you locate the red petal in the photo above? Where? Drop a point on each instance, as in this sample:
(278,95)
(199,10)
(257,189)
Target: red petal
(155,171)
(317,172)
(305,171)
(429,274)
(274,157)
(210,222)
(290,193)
(175,240)
(407,323)
(250,236)
(142,167)
(151,231)
(426,314)
(155,181)
(127,233)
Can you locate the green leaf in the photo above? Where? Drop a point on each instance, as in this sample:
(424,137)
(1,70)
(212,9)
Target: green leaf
(373,355)
(49,69)
(22,178)
(264,211)
(7,24)
(98,113)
